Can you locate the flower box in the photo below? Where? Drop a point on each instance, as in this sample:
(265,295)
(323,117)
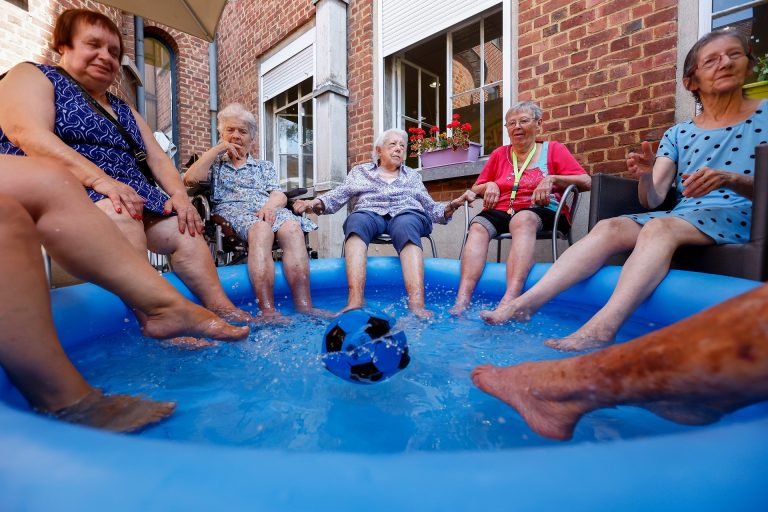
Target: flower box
(448,156)
(757,90)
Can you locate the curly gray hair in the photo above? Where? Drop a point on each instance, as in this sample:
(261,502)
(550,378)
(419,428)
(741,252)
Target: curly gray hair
(384,136)
(237,111)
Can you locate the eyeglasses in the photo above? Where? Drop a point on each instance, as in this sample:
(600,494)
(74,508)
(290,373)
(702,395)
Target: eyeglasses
(714,60)
(522,123)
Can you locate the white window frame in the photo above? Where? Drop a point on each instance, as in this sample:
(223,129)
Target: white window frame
(302,100)
(509,91)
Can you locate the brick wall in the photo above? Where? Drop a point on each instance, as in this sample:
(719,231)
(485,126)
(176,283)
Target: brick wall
(360,81)
(247,31)
(603,71)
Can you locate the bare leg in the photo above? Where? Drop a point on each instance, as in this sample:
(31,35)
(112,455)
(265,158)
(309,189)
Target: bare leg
(472,264)
(641,274)
(30,350)
(522,227)
(261,270)
(89,246)
(356,258)
(580,261)
(412,262)
(693,372)
(193,263)
(296,267)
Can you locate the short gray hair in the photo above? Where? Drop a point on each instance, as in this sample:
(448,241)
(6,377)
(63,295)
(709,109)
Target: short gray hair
(382,138)
(237,111)
(530,106)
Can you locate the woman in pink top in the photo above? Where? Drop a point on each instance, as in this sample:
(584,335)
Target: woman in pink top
(521,185)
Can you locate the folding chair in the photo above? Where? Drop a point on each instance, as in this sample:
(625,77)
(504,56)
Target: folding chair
(570,197)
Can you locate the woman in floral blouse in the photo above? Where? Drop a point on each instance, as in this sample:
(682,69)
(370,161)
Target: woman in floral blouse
(247,193)
(391,199)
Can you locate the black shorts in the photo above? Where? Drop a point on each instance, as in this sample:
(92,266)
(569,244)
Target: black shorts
(496,222)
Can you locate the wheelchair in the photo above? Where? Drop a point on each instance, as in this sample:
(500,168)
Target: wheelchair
(225,246)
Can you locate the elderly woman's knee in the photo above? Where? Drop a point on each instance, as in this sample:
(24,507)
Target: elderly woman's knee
(13,217)
(611,227)
(523,222)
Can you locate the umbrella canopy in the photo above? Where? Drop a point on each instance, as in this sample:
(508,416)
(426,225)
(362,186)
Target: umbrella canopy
(196,17)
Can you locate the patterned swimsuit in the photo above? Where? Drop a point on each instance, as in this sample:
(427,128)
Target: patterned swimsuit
(723,215)
(90,134)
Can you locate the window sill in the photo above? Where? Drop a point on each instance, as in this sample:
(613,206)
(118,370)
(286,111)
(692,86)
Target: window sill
(446,172)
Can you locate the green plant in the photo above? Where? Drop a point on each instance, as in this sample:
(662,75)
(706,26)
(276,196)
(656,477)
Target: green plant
(458,139)
(761,68)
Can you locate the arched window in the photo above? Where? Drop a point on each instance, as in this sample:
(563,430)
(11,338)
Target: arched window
(160,91)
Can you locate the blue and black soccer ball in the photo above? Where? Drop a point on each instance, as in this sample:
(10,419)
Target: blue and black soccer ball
(360,346)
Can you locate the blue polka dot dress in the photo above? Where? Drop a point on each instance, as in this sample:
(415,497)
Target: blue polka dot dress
(723,215)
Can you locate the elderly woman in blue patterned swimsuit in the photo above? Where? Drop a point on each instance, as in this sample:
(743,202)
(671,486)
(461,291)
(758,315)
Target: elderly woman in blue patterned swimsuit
(45,111)
(390,198)
(710,159)
(247,193)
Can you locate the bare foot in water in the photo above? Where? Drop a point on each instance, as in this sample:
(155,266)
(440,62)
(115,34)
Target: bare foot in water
(116,413)
(350,306)
(233,315)
(505,313)
(513,385)
(585,338)
(188,342)
(185,318)
(458,308)
(321,313)
(420,312)
(271,317)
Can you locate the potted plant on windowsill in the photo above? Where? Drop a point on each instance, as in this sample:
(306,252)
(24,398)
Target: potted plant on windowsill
(442,149)
(759,89)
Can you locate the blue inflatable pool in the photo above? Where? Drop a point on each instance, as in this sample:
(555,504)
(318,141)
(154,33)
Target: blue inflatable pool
(48,465)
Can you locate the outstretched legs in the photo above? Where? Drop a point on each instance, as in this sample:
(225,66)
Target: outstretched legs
(30,351)
(691,372)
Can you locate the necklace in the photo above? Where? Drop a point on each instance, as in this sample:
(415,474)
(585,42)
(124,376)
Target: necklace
(518,173)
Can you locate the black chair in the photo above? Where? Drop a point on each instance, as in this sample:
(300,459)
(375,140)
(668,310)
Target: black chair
(613,196)
(226,247)
(570,198)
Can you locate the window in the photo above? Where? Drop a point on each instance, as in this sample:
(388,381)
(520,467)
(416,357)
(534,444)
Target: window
(159,90)
(750,18)
(460,72)
(293,136)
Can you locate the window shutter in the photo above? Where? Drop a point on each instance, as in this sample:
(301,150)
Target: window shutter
(287,74)
(405,22)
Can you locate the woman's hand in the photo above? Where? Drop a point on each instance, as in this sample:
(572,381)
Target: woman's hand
(267,213)
(704,181)
(491,195)
(121,195)
(232,150)
(640,164)
(301,206)
(453,205)
(189,219)
(543,190)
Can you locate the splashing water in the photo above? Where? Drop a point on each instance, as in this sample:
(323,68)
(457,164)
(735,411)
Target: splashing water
(272,391)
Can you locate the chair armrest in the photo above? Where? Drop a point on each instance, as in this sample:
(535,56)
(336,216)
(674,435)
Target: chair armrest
(759,230)
(203,207)
(612,196)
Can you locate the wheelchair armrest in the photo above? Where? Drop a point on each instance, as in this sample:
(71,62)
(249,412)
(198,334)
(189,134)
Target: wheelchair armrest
(612,196)
(199,188)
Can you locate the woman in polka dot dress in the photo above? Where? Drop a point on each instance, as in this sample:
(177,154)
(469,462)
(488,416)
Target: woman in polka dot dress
(710,159)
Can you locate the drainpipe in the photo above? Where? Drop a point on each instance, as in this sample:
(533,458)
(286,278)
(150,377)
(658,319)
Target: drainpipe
(214,95)
(138,29)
